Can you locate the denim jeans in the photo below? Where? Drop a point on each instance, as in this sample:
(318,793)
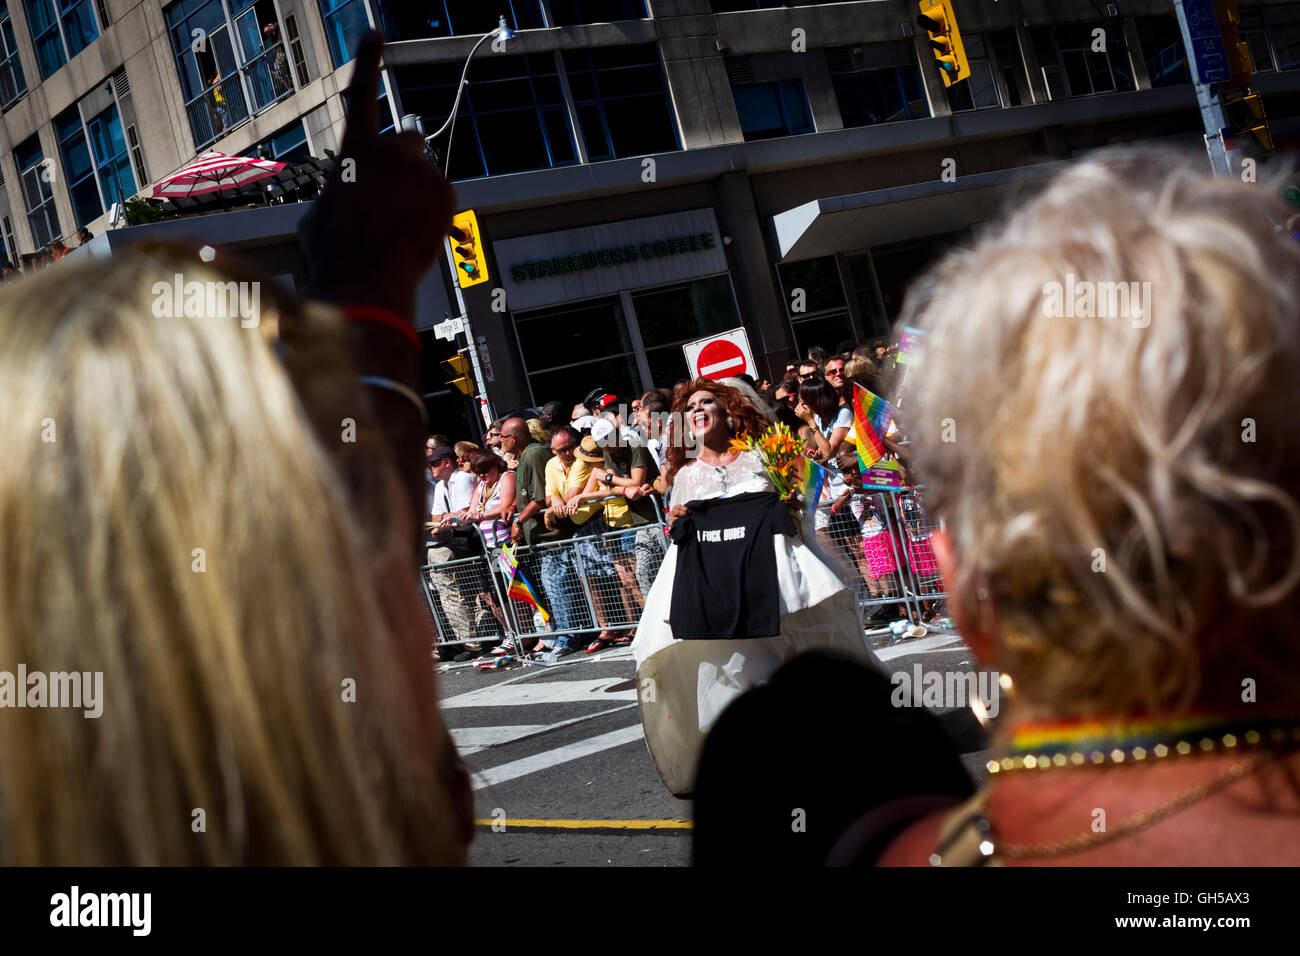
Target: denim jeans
(565,592)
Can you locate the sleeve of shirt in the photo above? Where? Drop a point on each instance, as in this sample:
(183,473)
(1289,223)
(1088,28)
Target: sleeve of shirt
(640,457)
(578,475)
(843,418)
(554,478)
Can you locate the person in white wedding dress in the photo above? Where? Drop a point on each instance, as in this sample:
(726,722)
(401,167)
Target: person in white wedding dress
(683,685)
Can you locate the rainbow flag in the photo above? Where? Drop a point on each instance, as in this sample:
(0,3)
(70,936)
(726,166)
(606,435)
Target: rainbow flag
(811,482)
(519,588)
(871,418)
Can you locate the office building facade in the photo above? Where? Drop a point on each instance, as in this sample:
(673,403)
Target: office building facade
(645,172)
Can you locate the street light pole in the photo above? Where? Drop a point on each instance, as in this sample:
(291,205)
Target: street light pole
(504,33)
(1215,120)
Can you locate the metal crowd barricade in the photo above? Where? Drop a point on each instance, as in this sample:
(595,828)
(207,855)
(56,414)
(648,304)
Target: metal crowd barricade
(587,584)
(880,542)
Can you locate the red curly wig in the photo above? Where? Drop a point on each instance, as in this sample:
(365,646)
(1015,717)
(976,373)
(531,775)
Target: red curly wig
(748,419)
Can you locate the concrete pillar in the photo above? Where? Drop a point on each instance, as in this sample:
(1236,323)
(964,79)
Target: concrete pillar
(753,275)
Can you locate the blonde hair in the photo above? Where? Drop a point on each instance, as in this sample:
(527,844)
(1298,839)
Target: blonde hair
(171,520)
(1122,482)
(463,448)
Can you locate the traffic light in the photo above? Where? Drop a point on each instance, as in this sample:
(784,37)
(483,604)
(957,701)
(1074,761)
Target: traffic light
(938,20)
(1238,50)
(458,367)
(467,250)
(1246,115)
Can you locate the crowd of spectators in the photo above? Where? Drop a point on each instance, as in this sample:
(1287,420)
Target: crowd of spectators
(53,251)
(583,472)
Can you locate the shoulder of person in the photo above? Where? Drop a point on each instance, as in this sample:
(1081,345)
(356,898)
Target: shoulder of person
(914,845)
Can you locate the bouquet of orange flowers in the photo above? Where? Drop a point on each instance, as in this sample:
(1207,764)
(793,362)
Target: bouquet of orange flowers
(777,450)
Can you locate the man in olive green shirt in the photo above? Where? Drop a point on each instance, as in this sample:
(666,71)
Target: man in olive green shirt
(530,479)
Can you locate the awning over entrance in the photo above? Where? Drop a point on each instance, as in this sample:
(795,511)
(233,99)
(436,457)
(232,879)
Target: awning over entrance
(881,216)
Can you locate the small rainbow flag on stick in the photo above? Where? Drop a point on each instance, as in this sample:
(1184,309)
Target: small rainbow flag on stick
(811,483)
(519,588)
(871,418)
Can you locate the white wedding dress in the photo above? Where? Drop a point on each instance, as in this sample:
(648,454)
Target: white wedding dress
(684,685)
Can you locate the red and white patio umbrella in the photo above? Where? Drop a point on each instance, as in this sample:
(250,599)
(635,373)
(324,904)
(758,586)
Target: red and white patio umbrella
(214,171)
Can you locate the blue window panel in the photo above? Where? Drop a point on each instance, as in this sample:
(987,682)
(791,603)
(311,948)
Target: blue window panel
(112,159)
(345,21)
(570,12)
(79,27)
(511,119)
(622,100)
(78,168)
(776,108)
(44,25)
(13,84)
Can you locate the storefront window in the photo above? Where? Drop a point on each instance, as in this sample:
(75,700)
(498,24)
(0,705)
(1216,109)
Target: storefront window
(815,303)
(570,349)
(670,317)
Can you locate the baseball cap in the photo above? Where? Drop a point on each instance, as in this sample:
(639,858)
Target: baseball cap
(601,430)
(440,452)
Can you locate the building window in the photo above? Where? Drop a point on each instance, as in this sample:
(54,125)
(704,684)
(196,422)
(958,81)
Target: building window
(1081,59)
(422,20)
(345,21)
(287,145)
(815,303)
(1284,35)
(774,108)
(622,100)
(1162,48)
(232,62)
(567,348)
(112,156)
(671,316)
(979,91)
(60,30)
(1251,29)
(96,161)
(13,85)
(38,197)
(877,83)
(566,13)
(511,118)
(732,6)
(78,167)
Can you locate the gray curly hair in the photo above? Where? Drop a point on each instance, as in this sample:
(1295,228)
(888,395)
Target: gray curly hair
(1119,477)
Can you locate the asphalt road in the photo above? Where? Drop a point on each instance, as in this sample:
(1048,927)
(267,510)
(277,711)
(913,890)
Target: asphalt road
(561,771)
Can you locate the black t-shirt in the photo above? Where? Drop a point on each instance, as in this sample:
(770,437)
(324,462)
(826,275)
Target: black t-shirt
(725,583)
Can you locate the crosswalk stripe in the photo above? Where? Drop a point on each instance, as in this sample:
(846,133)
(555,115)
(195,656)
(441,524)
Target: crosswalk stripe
(549,692)
(470,740)
(552,758)
(920,646)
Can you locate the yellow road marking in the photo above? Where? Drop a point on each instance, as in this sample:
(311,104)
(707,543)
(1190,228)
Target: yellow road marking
(592,824)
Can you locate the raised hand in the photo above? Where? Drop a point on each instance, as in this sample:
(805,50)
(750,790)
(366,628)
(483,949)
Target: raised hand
(379,224)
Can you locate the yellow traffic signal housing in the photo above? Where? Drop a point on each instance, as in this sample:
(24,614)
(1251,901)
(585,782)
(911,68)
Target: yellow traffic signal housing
(1246,114)
(1238,50)
(467,249)
(458,367)
(940,22)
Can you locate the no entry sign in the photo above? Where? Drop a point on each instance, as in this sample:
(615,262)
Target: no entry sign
(720,356)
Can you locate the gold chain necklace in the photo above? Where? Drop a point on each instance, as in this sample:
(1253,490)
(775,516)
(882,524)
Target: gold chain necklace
(1139,821)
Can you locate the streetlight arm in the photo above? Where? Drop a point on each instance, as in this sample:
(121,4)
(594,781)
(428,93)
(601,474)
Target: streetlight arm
(460,87)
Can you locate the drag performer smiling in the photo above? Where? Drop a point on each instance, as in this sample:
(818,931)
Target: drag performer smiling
(740,592)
